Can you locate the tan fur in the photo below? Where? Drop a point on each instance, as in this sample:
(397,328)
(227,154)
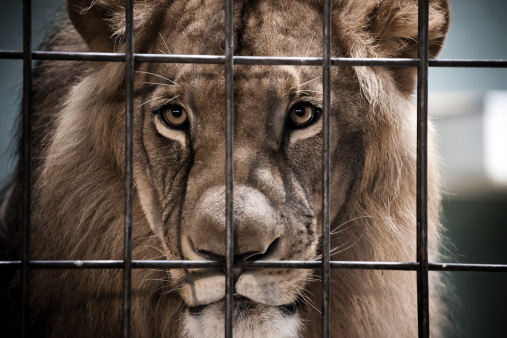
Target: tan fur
(179,176)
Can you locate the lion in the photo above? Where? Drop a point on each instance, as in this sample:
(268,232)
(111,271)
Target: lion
(179,172)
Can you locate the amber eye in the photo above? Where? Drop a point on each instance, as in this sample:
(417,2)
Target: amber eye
(302,114)
(173,115)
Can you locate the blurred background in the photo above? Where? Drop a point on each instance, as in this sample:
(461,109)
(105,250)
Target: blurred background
(469,108)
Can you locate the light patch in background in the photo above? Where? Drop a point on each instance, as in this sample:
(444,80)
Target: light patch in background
(44,14)
(495,136)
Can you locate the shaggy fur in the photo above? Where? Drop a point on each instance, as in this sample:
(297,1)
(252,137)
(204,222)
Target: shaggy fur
(179,198)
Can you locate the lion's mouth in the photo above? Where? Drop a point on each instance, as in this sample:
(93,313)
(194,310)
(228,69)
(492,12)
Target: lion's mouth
(244,305)
(208,320)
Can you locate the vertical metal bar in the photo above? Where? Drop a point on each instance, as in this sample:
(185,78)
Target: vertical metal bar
(27,165)
(326,160)
(229,210)
(129,171)
(422,164)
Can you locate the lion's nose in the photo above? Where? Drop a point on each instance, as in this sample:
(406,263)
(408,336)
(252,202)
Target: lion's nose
(257,227)
(246,256)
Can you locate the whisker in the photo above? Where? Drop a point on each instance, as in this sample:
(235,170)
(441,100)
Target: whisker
(156,98)
(303,296)
(160,76)
(177,288)
(150,236)
(163,40)
(309,44)
(332,252)
(157,270)
(160,84)
(350,220)
(340,230)
(311,91)
(304,83)
(169,52)
(156,290)
(156,279)
(162,253)
(306,54)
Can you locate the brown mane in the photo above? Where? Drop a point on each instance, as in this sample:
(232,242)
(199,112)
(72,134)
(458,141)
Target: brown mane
(79,183)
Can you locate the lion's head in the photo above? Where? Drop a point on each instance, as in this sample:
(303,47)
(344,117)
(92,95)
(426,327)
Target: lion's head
(179,169)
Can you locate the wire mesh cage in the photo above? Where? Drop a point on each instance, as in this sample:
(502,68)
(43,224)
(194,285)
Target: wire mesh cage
(421,265)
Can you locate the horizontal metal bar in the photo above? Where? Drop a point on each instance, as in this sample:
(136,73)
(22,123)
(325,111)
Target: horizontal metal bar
(165,264)
(209,59)
(334,264)
(471,63)
(467,267)
(278,61)
(202,59)
(65,56)
(111,264)
(307,61)
(253,60)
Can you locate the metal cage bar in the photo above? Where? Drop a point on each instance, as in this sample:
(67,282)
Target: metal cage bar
(166,264)
(27,166)
(255,60)
(229,168)
(421,266)
(326,163)
(129,166)
(422,174)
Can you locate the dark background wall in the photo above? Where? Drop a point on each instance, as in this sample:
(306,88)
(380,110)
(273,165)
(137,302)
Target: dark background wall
(475,206)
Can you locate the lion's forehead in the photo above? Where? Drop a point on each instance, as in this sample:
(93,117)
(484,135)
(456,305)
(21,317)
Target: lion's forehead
(268,28)
(281,28)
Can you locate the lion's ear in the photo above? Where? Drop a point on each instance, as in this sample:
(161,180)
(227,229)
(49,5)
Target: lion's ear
(89,17)
(394,26)
(101,23)
(388,29)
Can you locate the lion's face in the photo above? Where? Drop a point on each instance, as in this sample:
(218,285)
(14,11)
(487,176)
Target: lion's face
(180,158)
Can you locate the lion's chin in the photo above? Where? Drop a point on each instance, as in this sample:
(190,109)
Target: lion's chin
(250,319)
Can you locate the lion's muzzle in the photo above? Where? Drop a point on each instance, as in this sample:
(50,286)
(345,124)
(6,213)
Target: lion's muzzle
(258,234)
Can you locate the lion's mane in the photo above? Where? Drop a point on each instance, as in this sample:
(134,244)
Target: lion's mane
(79,186)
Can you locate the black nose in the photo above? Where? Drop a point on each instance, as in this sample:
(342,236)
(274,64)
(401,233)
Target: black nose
(241,257)
(246,256)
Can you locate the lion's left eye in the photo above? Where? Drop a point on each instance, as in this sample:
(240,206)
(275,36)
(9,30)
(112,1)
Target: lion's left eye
(302,114)
(173,115)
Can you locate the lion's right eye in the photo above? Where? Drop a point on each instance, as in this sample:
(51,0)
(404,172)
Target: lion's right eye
(173,115)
